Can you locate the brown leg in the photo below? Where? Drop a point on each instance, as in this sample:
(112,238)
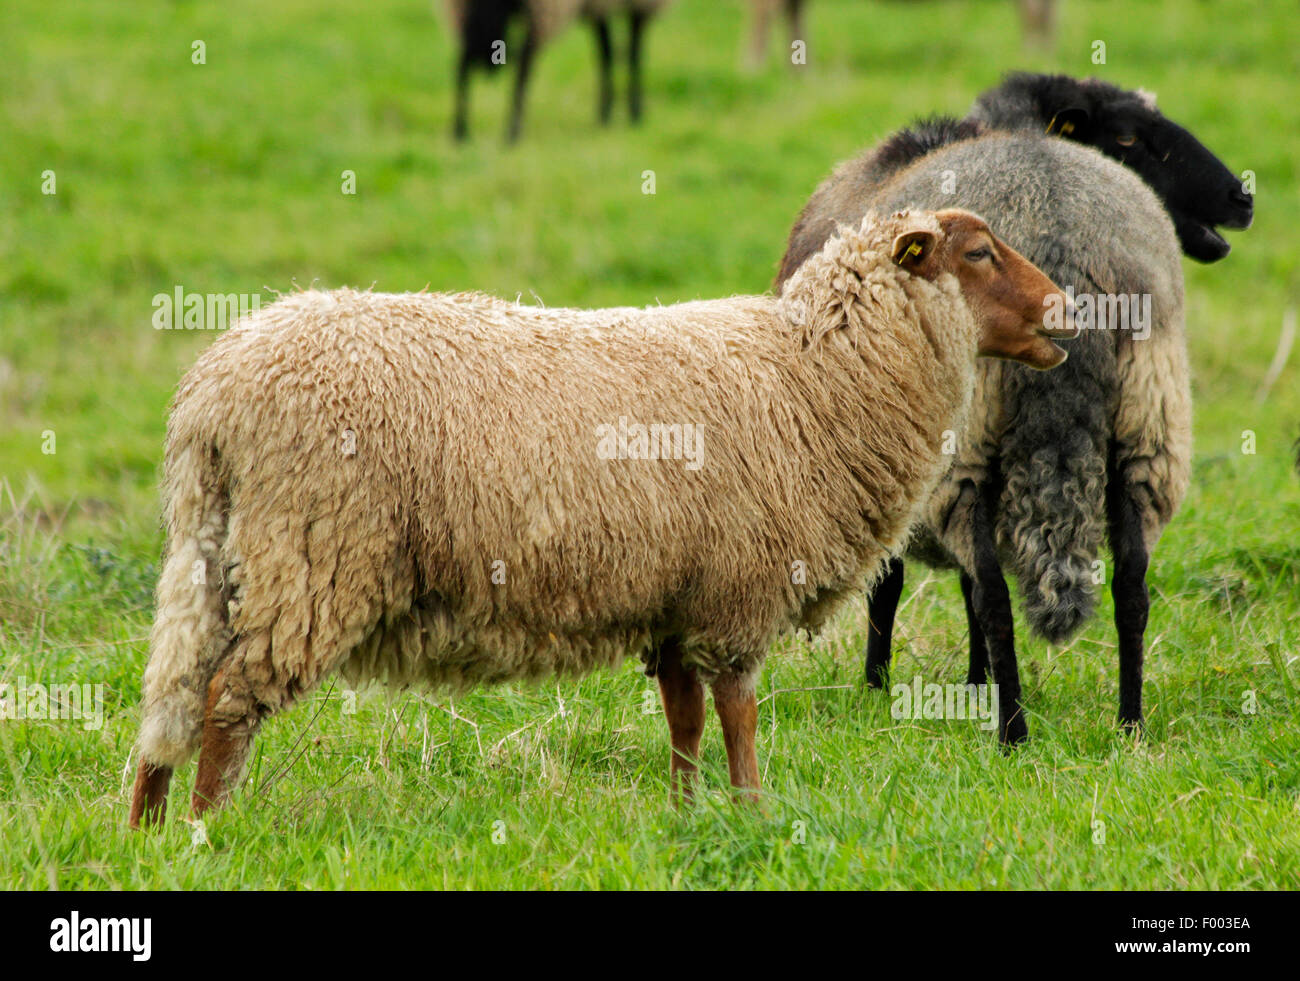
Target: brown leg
(149,799)
(733,697)
(226,741)
(683,698)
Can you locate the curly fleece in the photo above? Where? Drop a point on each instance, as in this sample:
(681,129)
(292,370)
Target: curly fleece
(407,487)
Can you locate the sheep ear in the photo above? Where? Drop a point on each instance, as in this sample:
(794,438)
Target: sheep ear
(912,247)
(1071,123)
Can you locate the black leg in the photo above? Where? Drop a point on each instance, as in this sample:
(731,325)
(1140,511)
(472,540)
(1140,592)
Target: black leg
(978,672)
(460,127)
(605,54)
(880,624)
(992,604)
(794,15)
(1128,586)
(521,85)
(634,66)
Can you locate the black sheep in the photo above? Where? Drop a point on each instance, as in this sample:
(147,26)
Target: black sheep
(483,25)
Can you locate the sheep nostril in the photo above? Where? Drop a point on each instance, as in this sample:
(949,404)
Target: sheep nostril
(1238,196)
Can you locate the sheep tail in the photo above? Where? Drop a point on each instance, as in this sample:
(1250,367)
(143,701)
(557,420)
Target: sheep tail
(190,632)
(1052,518)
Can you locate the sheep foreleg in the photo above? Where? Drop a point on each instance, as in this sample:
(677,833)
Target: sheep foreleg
(880,623)
(733,697)
(683,700)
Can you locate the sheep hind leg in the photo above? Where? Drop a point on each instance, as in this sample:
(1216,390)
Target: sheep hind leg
(683,699)
(991,601)
(978,671)
(149,797)
(1132,600)
(881,610)
(230,721)
(733,697)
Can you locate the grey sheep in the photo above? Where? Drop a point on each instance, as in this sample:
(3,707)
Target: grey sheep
(1101,448)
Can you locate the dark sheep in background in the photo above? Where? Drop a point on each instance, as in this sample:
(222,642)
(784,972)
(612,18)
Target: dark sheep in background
(482,27)
(1198,191)
(1060,461)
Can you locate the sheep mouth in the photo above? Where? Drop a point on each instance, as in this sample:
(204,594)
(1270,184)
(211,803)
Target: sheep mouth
(1058,333)
(1201,241)
(1212,237)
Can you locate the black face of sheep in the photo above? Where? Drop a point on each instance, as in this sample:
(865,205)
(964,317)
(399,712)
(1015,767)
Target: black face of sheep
(1199,192)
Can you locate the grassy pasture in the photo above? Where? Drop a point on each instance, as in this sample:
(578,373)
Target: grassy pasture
(226,177)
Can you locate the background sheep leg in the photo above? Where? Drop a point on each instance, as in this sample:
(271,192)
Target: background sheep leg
(638,22)
(794,14)
(733,697)
(605,54)
(1129,589)
(762,14)
(149,798)
(683,699)
(460,126)
(521,85)
(979,650)
(992,603)
(881,609)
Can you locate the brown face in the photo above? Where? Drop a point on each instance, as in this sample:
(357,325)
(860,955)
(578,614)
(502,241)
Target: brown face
(1017,307)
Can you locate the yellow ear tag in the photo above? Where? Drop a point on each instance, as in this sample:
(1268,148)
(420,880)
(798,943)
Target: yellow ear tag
(1066,127)
(913,249)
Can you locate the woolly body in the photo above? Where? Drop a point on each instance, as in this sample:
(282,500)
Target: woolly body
(475,424)
(1039,443)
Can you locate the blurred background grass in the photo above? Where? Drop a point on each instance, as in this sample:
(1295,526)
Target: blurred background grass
(226,177)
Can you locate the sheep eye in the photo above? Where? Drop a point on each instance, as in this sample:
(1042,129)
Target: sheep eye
(975,255)
(1126,140)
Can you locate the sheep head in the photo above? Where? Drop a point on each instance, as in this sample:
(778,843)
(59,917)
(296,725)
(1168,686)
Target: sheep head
(1198,191)
(1018,309)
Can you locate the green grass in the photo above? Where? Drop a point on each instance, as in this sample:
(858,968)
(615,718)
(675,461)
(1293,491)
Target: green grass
(226,177)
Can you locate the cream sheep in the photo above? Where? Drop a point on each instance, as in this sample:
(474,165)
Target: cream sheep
(429,487)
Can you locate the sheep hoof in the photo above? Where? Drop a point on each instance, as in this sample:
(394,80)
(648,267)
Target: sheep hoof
(1014,733)
(1136,729)
(149,797)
